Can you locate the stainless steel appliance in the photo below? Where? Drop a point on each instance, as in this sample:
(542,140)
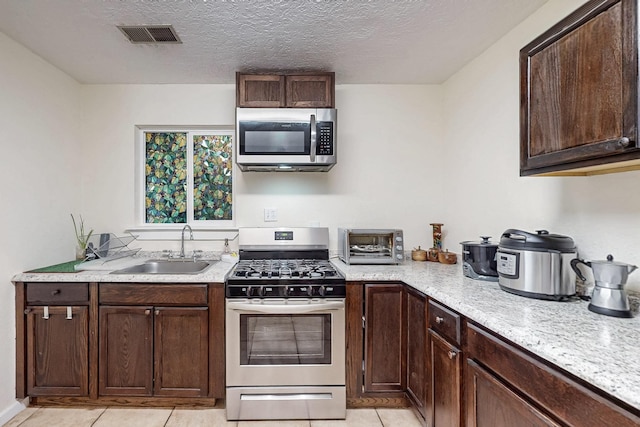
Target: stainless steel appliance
(370,246)
(285,327)
(479,259)
(536,265)
(608,296)
(286,139)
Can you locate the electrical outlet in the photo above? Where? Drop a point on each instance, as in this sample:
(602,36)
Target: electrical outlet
(270,214)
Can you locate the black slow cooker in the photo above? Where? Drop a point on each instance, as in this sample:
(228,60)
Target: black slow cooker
(479,259)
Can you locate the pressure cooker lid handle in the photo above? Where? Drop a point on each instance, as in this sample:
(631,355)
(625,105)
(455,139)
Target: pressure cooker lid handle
(518,233)
(524,234)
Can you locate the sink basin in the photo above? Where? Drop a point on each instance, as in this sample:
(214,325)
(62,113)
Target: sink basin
(167,267)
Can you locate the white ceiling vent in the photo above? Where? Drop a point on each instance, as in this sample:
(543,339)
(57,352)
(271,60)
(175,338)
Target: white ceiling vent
(160,34)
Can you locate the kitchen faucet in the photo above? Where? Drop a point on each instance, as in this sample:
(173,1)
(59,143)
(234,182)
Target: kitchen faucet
(182,239)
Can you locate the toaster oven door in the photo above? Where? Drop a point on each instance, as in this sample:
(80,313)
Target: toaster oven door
(374,247)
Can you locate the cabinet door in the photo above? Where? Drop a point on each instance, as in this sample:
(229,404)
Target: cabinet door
(491,404)
(578,84)
(181,352)
(446,378)
(417,350)
(57,351)
(260,90)
(385,338)
(126,351)
(310,91)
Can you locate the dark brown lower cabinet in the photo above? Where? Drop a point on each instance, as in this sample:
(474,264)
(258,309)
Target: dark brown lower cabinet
(492,404)
(508,383)
(417,360)
(158,344)
(126,351)
(385,338)
(57,351)
(181,351)
(153,351)
(445,402)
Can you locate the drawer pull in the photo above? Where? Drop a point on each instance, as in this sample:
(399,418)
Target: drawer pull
(157,312)
(439,320)
(45,314)
(55,292)
(147,312)
(69,313)
(452,354)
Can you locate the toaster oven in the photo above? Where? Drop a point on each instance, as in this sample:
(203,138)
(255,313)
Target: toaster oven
(370,246)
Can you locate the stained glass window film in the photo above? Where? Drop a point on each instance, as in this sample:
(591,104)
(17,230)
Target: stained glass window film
(188,182)
(165,177)
(212,177)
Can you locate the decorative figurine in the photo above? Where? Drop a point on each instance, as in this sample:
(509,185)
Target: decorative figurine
(437,236)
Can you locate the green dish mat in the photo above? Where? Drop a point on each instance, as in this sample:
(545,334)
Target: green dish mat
(65,267)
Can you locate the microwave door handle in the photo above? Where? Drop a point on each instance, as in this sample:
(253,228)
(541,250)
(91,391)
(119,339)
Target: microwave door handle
(314,137)
(285,308)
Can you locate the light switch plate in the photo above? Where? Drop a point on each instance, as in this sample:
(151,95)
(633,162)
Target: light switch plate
(270,214)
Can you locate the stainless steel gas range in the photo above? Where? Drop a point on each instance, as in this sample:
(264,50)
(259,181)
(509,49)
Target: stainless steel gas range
(285,327)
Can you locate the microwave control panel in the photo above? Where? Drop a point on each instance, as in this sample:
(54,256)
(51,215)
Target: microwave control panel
(325,139)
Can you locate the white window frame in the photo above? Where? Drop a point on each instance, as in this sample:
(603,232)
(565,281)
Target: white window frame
(156,230)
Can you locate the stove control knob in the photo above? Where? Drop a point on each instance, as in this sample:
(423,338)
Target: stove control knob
(321,290)
(259,291)
(249,290)
(287,291)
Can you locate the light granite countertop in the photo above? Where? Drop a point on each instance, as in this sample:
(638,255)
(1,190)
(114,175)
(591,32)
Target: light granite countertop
(599,349)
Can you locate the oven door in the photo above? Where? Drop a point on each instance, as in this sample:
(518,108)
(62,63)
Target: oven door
(285,342)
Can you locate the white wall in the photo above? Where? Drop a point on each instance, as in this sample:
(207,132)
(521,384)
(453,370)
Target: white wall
(41,185)
(388,156)
(486,195)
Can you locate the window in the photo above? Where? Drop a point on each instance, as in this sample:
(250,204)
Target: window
(186,176)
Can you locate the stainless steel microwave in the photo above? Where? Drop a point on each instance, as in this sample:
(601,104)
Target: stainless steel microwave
(286,139)
(370,246)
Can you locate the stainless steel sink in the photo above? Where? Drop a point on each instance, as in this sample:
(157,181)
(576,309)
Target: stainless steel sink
(167,267)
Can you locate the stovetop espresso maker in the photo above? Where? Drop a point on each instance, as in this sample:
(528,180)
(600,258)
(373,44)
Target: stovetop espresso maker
(609,297)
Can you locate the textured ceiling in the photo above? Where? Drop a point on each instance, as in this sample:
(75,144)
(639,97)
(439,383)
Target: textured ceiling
(375,41)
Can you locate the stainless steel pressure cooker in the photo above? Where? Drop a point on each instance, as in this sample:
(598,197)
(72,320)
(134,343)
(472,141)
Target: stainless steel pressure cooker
(536,265)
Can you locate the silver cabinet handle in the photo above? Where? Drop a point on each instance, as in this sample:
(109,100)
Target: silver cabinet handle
(452,354)
(45,314)
(439,320)
(69,314)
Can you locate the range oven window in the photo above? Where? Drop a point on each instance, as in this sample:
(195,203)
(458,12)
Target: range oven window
(285,339)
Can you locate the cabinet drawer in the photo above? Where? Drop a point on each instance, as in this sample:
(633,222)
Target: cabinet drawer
(57,293)
(444,321)
(153,294)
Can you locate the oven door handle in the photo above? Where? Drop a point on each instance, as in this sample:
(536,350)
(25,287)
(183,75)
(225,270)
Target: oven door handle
(286,308)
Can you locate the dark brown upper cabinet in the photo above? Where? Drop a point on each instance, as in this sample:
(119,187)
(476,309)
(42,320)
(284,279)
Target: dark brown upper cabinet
(299,90)
(579,93)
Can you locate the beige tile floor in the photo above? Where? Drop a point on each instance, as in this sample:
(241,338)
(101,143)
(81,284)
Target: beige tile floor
(180,417)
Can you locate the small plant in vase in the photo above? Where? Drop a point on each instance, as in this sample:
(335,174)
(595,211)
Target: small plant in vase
(82,239)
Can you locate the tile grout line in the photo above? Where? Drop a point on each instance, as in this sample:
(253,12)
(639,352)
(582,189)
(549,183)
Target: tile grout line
(99,416)
(169,417)
(379,418)
(25,420)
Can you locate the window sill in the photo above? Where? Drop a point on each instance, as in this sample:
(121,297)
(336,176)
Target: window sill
(174,232)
